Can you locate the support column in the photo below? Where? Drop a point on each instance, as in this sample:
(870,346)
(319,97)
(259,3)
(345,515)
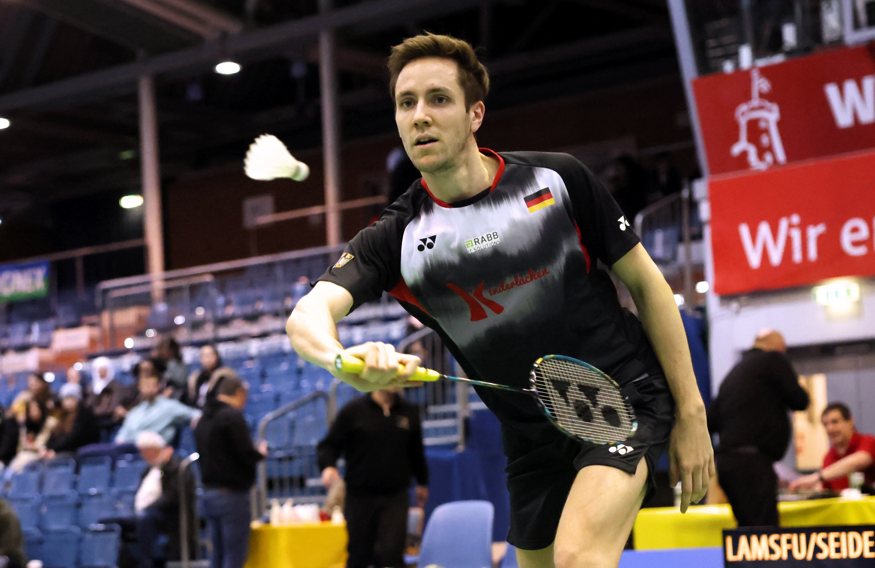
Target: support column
(330,128)
(151,184)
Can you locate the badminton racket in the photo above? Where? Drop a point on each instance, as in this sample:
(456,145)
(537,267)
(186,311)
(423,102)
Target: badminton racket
(268,158)
(579,399)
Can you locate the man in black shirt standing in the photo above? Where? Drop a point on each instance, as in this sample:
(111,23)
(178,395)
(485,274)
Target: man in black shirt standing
(380,436)
(750,416)
(228,460)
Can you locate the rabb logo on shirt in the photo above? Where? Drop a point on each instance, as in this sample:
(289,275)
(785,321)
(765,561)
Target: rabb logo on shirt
(482,242)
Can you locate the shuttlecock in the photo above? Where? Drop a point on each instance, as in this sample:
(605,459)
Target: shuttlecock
(268,158)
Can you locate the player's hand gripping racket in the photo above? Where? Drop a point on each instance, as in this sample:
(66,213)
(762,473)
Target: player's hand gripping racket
(577,398)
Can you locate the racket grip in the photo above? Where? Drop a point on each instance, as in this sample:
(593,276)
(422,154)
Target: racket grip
(354,365)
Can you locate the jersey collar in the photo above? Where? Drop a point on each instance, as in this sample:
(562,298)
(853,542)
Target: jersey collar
(467,201)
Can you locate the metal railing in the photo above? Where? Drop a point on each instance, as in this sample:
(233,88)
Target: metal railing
(302,464)
(188,558)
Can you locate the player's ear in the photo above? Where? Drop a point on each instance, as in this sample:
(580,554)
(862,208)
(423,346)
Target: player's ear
(477,110)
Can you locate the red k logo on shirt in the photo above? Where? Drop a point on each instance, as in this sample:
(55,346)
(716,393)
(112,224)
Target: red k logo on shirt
(476,301)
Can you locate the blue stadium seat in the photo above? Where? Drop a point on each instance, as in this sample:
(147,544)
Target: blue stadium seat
(27,509)
(59,511)
(96,506)
(128,473)
(260,403)
(279,433)
(95,474)
(100,546)
(459,534)
(123,501)
(309,428)
(26,483)
(60,548)
(33,540)
(59,476)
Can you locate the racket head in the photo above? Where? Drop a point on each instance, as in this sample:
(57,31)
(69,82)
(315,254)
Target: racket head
(582,401)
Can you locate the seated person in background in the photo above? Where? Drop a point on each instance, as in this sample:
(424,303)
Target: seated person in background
(74,376)
(37,389)
(155,413)
(33,436)
(849,451)
(156,505)
(199,381)
(108,399)
(168,355)
(8,437)
(76,427)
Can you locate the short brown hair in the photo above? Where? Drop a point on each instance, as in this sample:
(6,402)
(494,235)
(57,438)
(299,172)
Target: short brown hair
(840,407)
(473,76)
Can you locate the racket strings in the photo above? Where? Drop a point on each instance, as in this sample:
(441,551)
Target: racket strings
(583,401)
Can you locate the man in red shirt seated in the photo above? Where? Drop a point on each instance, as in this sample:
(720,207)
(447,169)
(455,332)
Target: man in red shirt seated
(849,451)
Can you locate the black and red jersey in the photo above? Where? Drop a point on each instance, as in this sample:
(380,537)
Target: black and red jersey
(508,275)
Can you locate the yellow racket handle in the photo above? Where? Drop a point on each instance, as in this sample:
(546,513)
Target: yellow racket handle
(354,365)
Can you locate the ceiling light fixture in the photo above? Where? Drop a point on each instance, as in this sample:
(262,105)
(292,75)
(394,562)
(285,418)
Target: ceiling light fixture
(4,123)
(227,67)
(131,201)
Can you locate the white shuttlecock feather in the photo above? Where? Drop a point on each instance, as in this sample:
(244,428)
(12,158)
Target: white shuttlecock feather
(268,158)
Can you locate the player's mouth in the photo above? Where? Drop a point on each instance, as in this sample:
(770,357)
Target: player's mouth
(424,141)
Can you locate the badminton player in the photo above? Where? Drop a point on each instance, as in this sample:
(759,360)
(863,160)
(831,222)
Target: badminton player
(503,254)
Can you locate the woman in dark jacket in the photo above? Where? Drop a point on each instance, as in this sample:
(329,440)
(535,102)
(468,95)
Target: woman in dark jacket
(77,425)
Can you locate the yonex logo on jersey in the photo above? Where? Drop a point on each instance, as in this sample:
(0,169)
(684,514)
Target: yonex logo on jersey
(477,301)
(623,223)
(621,449)
(483,241)
(426,243)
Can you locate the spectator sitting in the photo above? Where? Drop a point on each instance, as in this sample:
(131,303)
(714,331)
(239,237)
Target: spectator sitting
(156,505)
(155,412)
(38,390)
(169,356)
(8,437)
(74,376)
(76,427)
(199,381)
(849,452)
(108,399)
(33,437)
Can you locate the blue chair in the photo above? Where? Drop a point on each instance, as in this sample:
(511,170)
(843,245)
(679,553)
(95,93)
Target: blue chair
(26,483)
(128,473)
(459,534)
(59,511)
(59,476)
(100,546)
(60,548)
(309,429)
(509,560)
(33,541)
(27,509)
(95,474)
(96,506)
(123,500)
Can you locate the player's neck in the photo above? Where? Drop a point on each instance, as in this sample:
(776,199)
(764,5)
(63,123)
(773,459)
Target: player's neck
(473,173)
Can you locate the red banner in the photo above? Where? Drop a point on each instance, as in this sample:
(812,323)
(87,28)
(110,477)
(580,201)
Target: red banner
(815,106)
(794,225)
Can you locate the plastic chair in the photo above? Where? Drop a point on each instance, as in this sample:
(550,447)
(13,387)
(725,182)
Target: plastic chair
(59,511)
(100,546)
(459,534)
(26,483)
(96,506)
(94,474)
(60,548)
(59,476)
(128,473)
(33,541)
(27,509)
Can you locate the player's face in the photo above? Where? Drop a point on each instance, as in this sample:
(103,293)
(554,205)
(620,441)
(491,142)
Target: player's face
(434,124)
(838,430)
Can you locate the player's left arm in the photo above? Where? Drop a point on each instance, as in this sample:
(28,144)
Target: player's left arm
(691,457)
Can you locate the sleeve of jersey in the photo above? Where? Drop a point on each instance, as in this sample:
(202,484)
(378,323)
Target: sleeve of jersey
(370,264)
(867,444)
(604,228)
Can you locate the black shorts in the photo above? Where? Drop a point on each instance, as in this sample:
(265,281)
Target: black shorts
(541,470)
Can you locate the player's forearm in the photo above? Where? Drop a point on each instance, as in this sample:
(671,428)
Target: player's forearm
(662,323)
(313,334)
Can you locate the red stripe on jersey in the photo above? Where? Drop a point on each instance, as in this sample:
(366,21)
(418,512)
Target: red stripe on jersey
(583,247)
(495,180)
(403,294)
